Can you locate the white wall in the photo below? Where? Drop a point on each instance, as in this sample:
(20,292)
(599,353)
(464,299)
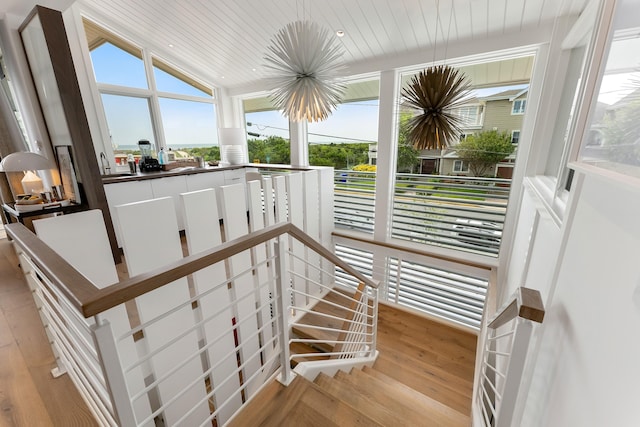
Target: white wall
(587,368)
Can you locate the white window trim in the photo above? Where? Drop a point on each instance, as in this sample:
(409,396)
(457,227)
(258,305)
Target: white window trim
(519,135)
(523,103)
(462,166)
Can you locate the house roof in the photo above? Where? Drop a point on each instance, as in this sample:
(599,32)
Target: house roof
(507,94)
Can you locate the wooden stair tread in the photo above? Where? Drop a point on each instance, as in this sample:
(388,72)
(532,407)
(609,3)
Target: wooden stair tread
(312,318)
(450,415)
(406,399)
(318,408)
(432,367)
(301,404)
(367,397)
(272,399)
(302,348)
(424,384)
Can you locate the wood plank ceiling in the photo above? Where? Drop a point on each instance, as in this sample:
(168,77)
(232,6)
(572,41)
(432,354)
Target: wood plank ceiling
(223,41)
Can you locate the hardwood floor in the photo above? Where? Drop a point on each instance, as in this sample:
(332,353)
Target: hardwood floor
(29,395)
(423,376)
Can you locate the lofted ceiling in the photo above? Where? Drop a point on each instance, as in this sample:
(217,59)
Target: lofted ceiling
(223,42)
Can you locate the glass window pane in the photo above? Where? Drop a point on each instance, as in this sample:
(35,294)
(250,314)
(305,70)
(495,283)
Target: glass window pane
(115,66)
(346,138)
(129,121)
(268,135)
(612,140)
(166,82)
(188,124)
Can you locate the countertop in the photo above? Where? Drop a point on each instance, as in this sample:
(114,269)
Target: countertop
(140,176)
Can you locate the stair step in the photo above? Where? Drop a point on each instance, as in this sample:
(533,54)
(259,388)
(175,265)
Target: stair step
(424,383)
(367,397)
(318,408)
(274,398)
(449,416)
(302,348)
(339,297)
(301,404)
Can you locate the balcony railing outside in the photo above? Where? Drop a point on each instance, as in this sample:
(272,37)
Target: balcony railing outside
(355,194)
(463,213)
(455,294)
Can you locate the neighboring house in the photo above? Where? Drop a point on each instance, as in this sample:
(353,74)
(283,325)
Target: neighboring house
(502,111)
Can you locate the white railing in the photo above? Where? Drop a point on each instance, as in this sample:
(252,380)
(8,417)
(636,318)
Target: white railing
(446,289)
(505,351)
(186,341)
(458,212)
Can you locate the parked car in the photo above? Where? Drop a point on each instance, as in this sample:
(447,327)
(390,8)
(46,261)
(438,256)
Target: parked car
(477,232)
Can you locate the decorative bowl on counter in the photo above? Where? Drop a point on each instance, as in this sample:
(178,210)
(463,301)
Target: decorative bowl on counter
(28,199)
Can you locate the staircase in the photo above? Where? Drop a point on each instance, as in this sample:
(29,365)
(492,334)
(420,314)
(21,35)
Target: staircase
(423,377)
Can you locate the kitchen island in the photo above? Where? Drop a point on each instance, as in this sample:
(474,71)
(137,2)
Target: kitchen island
(123,188)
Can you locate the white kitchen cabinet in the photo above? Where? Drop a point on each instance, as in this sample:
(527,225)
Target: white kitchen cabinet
(171,187)
(234,176)
(202,181)
(123,193)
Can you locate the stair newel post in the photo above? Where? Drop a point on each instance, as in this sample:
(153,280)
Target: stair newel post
(113,371)
(283,297)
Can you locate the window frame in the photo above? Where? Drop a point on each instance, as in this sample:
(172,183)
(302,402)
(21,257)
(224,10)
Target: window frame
(152,94)
(520,111)
(462,168)
(513,134)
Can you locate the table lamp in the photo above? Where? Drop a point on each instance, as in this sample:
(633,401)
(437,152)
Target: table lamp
(26,162)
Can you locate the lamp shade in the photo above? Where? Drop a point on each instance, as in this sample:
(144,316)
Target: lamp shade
(31,183)
(23,161)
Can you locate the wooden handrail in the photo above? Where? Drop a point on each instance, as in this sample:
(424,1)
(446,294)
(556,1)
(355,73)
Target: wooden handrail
(411,250)
(525,303)
(62,275)
(90,300)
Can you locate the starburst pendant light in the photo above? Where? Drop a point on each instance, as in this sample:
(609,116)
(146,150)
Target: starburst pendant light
(304,59)
(435,91)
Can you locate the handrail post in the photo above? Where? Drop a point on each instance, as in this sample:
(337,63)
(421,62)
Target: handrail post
(113,373)
(283,296)
(513,376)
(374,326)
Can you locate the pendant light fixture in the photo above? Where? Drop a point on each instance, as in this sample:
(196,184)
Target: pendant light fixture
(435,92)
(304,59)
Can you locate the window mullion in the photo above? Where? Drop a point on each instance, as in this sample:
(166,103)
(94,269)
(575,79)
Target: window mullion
(185,97)
(123,90)
(154,103)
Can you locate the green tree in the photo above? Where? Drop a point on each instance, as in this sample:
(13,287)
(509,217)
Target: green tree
(274,149)
(339,155)
(407,155)
(484,150)
(207,153)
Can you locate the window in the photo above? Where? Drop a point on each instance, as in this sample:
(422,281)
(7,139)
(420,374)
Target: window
(268,132)
(612,141)
(515,136)
(469,114)
(460,166)
(129,120)
(519,106)
(171,111)
(344,140)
